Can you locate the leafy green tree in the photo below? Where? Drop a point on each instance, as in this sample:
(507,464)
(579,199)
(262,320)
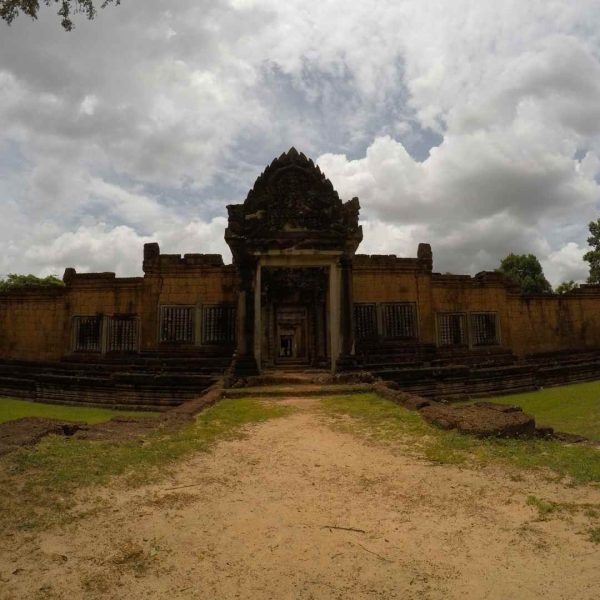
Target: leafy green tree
(526,270)
(9,9)
(593,256)
(566,286)
(15,281)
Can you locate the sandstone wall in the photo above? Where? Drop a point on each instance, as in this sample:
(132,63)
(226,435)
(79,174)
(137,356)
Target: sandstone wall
(36,324)
(33,324)
(381,279)
(557,323)
(527,324)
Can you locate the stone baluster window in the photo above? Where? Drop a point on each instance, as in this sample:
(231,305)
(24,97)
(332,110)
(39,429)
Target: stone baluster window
(123,334)
(399,320)
(87,334)
(218,324)
(484,329)
(177,324)
(452,329)
(365,321)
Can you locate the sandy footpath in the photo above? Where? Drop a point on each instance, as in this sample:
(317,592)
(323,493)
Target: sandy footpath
(299,510)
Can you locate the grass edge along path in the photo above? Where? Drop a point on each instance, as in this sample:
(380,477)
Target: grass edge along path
(39,483)
(382,420)
(13,408)
(571,408)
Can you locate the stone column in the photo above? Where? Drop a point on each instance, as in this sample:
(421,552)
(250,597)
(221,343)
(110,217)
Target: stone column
(346,314)
(334,315)
(257,327)
(245,360)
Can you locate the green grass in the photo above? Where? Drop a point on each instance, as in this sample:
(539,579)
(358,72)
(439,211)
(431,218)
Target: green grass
(383,420)
(547,508)
(594,535)
(38,483)
(570,408)
(11,409)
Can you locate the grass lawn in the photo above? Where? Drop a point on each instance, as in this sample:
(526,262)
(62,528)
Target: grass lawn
(11,409)
(382,420)
(570,408)
(38,484)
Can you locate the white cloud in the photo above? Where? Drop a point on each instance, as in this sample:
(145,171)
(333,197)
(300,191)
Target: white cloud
(566,264)
(99,247)
(122,124)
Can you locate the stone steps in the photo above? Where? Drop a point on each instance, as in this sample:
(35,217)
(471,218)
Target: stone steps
(297,391)
(288,377)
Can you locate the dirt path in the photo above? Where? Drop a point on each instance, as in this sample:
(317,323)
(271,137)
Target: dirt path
(259,521)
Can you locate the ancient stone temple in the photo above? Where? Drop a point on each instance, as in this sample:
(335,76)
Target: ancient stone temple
(296,296)
(293,241)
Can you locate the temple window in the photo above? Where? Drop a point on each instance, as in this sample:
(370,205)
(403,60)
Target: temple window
(365,321)
(484,329)
(399,320)
(123,334)
(177,324)
(87,334)
(451,329)
(218,324)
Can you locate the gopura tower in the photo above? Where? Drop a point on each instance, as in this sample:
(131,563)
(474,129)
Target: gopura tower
(293,243)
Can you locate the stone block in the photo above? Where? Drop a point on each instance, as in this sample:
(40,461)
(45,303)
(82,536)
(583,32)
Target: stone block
(480,420)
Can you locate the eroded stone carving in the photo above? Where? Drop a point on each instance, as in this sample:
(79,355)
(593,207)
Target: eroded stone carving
(293,205)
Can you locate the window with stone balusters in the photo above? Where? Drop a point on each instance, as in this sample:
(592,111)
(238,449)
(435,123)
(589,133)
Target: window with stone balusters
(177,324)
(218,324)
(484,329)
(87,333)
(123,334)
(399,320)
(452,329)
(365,321)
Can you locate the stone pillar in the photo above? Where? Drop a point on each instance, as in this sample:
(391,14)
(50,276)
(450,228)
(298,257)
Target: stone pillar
(334,315)
(347,307)
(257,330)
(346,358)
(245,359)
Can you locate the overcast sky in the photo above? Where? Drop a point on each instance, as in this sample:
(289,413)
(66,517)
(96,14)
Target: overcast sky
(471,125)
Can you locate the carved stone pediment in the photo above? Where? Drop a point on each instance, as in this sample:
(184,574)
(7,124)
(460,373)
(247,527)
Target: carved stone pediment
(293,205)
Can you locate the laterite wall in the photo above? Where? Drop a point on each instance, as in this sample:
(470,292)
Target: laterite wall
(33,324)
(528,324)
(36,324)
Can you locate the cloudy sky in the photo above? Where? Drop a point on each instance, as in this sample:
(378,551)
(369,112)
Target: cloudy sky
(472,125)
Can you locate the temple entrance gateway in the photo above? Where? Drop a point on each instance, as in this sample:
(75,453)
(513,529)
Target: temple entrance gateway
(293,241)
(293,316)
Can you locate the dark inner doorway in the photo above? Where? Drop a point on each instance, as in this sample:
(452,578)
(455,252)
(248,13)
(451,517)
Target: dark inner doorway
(293,302)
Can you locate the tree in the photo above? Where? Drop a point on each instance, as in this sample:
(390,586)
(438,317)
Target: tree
(593,256)
(526,270)
(9,9)
(15,281)
(566,287)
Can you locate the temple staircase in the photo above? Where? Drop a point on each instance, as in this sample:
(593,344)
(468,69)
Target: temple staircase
(296,383)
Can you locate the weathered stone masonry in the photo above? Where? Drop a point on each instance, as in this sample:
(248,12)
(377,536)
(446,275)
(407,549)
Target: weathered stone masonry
(296,294)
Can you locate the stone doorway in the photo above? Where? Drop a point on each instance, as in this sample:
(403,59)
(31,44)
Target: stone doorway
(293,316)
(291,334)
